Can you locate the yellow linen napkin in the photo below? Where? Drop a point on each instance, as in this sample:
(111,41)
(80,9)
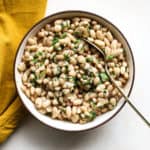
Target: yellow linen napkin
(16,17)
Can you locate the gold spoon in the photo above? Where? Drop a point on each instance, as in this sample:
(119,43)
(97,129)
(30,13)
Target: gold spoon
(113,81)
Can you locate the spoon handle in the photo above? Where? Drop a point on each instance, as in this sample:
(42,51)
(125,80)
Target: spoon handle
(127,100)
(113,81)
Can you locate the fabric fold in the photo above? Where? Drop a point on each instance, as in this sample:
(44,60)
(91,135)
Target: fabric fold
(16,17)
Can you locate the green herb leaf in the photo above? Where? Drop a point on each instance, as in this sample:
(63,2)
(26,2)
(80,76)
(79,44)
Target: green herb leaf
(84,77)
(33,81)
(109,57)
(37,54)
(42,74)
(64,35)
(93,104)
(42,62)
(104,76)
(63,109)
(91,116)
(77,33)
(55,40)
(75,80)
(77,41)
(89,59)
(35,60)
(66,57)
(58,48)
(65,24)
(104,91)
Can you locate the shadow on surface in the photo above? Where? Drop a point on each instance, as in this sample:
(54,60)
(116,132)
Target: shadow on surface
(61,139)
(41,136)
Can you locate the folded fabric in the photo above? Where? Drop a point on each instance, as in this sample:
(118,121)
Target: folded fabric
(16,17)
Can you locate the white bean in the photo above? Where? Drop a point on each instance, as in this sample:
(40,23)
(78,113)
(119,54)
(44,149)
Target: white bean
(74,118)
(113,101)
(21,67)
(100,43)
(38,91)
(38,102)
(109,36)
(45,103)
(92,33)
(97,27)
(108,51)
(96,80)
(58,21)
(73,61)
(32,90)
(100,35)
(55,102)
(126,75)
(68,111)
(90,39)
(114,44)
(57,28)
(25,77)
(55,112)
(81,59)
(31,41)
(72,73)
(107,43)
(50,94)
(122,70)
(100,88)
(41,34)
(77,102)
(74,110)
(117,71)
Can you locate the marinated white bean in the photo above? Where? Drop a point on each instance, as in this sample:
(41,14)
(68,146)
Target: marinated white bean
(65,78)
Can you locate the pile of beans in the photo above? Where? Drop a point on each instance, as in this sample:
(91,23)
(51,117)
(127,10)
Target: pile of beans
(65,78)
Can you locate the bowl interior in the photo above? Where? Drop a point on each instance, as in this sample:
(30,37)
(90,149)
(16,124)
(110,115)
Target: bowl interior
(63,125)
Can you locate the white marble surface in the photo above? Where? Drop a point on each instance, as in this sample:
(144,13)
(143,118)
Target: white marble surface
(126,131)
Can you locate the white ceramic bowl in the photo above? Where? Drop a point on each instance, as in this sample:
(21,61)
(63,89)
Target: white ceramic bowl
(64,125)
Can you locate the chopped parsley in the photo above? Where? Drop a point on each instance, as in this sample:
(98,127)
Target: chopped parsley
(66,57)
(59,48)
(104,76)
(93,104)
(55,40)
(109,57)
(91,116)
(65,24)
(77,33)
(35,60)
(42,74)
(36,57)
(77,41)
(104,91)
(63,35)
(38,54)
(89,59)
(33,81)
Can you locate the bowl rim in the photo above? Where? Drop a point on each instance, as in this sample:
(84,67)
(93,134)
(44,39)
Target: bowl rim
(93,14)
